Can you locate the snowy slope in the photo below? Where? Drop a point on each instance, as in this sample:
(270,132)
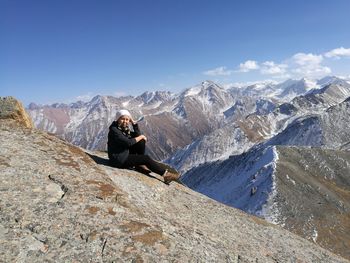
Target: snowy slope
(290,177)
(294,187)
(253,120)
(219,144)
(327,130)
(232,181)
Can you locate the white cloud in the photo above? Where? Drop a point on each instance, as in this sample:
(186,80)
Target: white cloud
(299,65)
(338,52)
(271,68)
(313,72)
(303,59)
(220,71)
(308,65)
(248,66)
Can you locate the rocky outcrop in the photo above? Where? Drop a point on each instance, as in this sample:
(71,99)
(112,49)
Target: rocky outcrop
(12,109)
(60,204)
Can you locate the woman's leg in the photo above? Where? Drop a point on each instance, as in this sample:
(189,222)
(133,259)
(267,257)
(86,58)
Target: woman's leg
(137,159)
(138,148)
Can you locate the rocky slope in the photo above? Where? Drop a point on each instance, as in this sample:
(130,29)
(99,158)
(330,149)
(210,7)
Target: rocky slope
(61,204)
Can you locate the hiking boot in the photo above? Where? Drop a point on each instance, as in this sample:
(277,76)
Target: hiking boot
(143,169)
(170,176)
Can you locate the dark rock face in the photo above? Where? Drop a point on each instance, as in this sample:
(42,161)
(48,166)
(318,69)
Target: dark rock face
(61,204)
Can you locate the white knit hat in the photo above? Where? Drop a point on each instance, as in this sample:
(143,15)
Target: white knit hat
(122,113)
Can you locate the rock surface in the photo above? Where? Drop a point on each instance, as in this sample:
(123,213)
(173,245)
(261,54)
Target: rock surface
(60,204)
(10,108)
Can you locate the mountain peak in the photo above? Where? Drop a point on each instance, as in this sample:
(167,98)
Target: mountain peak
(33,106)
(150,97)
(208,83)
(202,88)
(97,100)
(327,80)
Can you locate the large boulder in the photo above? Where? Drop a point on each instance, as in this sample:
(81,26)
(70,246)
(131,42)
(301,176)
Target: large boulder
(12,109)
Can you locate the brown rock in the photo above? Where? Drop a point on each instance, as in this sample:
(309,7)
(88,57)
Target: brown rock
(12,109)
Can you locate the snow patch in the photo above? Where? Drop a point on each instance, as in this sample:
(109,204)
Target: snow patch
(293,182)
(193,91)
(126,103)
(314,235)
(270,209)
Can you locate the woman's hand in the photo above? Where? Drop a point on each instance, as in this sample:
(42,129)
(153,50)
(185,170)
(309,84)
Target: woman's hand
(132,121)
(141,137)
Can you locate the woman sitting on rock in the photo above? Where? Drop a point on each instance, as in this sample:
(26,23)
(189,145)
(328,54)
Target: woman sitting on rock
(126,148)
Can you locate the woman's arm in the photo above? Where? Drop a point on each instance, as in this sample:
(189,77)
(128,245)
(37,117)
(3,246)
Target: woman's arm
(137,131)
(121,138)
(135,126)
(141,137)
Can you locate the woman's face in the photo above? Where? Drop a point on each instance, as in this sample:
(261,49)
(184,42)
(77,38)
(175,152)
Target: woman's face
(123,121)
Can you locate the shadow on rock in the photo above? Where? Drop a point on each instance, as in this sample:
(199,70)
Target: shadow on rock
(104,161)
(99,160)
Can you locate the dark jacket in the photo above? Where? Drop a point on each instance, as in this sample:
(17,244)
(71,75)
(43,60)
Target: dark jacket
(119,143)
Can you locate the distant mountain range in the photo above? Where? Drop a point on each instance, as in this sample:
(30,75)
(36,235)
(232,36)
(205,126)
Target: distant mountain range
(173,121)
(276,150)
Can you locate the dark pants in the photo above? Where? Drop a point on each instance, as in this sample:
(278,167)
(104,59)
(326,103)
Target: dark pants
(137,157)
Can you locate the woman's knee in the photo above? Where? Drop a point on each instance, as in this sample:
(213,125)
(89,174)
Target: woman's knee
(148,158)
(139,148)
(142,142)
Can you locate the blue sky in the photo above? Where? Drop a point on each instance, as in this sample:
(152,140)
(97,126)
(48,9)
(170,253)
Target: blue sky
(65,50)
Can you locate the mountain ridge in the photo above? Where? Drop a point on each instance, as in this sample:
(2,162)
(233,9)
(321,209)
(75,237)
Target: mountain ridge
(195,112)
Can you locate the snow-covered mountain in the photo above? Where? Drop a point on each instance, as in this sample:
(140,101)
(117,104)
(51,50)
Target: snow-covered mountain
(290,89)
(171,121)
(303,189)
(298,172)
(248,124)
(284,91)
(219,144)
(175,121)
(327,130)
